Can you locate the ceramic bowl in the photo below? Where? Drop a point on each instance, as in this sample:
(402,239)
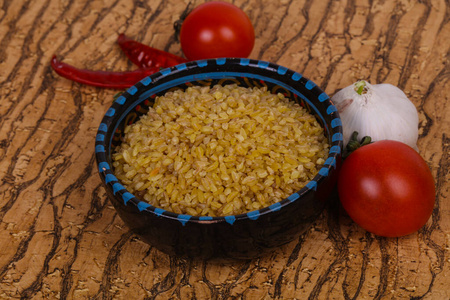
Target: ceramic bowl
(240,236)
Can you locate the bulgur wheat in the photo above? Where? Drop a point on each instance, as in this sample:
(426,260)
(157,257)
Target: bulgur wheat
(220,151)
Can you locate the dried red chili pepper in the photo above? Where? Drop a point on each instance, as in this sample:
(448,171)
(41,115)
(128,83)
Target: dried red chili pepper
(103,79)
(145,56)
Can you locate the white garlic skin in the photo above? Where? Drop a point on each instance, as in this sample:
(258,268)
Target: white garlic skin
(382,112)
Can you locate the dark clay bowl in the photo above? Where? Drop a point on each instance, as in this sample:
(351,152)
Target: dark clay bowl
(240,236)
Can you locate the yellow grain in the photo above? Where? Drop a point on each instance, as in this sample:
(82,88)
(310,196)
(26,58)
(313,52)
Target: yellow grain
(222,150)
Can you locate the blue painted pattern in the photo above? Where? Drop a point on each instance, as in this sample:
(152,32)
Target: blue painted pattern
(127,197)
(275,206)
(309,85)
(143,205)
(165,72)
(181,67)
(282,70)
(230,219)
(110,178)
(159,211)
(335,149)
(331,109)
(323,171)
(331,161)
(120,100)
(202,63)
(337,137)
(221,61)
(117,187)
(263,64)
(184,218)
(103,166)
(312,185)
(132,90)
(336,122)
(146,81)
(110,112)
(296,76)
(245,61)
(323,97)
(100,137)
(103,127)
(293,197)
(253,215)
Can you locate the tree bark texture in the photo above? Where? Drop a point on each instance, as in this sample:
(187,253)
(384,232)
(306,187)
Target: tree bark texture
(60,237)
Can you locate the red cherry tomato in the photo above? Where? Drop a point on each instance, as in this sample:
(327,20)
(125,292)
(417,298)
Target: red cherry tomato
(387,188)
(216,29)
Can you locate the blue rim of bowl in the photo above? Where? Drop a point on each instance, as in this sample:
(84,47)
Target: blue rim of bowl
(106,170)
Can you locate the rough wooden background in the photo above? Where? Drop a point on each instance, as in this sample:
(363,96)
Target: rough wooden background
(61,239)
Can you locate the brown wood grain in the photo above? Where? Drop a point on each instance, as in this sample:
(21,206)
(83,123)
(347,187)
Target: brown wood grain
(60,238)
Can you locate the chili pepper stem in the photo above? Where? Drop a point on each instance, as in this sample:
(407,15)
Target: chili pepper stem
(145,56)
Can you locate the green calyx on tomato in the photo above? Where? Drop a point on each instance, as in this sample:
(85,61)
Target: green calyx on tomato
(387,188)
(354,143)
(216,29)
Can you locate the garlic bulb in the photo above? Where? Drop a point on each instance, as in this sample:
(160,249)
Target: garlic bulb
(381,111)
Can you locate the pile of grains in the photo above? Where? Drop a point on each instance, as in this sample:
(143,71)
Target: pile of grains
(220,151)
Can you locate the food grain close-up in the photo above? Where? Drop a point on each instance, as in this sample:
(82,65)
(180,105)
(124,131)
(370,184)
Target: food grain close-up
(224,149)
(220,151)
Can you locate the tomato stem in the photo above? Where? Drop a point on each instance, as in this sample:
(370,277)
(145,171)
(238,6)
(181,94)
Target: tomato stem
(177,24)
(354,143)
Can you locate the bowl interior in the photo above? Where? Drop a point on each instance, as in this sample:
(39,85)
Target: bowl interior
(135,102)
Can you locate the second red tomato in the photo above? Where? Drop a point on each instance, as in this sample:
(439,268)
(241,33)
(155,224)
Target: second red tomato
(216,29)
(387,188)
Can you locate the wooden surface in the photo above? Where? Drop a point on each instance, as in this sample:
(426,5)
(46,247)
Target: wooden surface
(60,238)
